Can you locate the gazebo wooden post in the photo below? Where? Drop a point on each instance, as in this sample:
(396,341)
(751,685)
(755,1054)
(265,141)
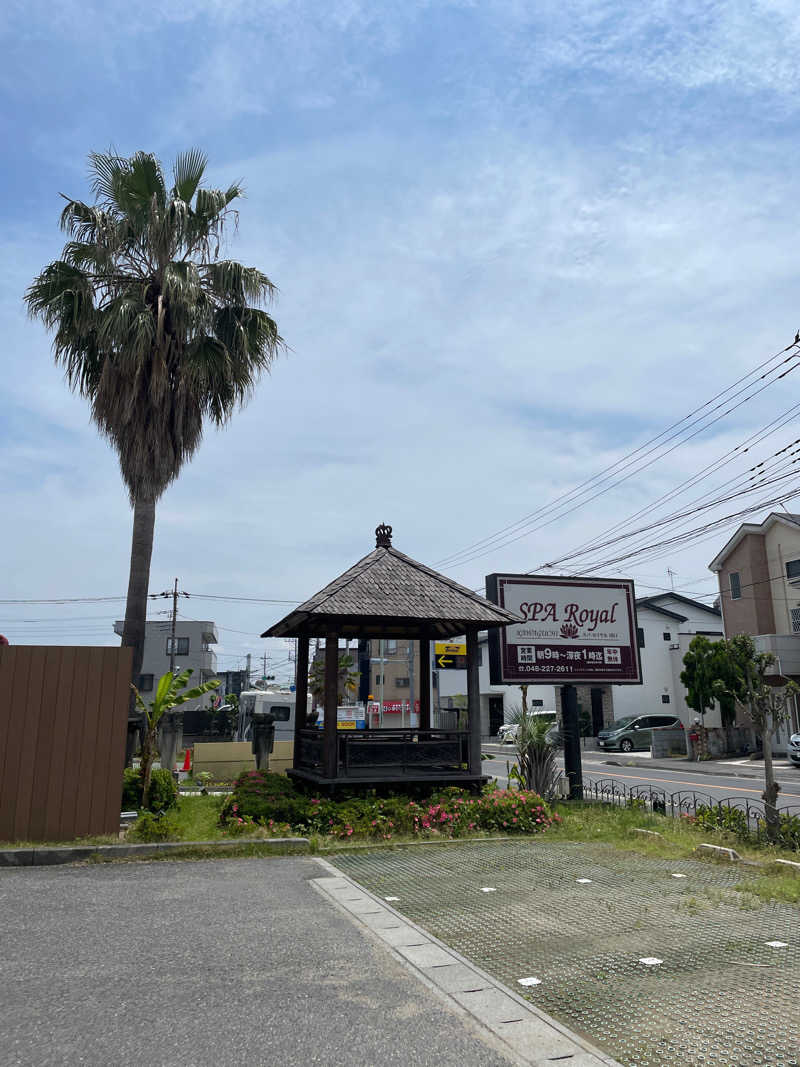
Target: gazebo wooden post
(424,684)
(300,694)
(473,702)
(330,738)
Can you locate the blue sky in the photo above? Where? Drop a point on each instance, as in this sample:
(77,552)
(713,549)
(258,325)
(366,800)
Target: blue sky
(512,241)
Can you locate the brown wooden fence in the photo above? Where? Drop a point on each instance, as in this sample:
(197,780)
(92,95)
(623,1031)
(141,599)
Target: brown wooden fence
(63,721)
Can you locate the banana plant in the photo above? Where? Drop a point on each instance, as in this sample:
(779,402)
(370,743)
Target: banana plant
(169,694)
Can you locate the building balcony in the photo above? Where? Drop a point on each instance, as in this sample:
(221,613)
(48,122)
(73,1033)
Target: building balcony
(786,650)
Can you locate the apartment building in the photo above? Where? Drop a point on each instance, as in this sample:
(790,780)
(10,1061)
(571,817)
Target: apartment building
(193,641)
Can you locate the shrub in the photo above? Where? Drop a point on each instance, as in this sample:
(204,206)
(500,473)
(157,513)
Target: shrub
(149,828)
(163,790)
(718,818)
(260,796)
(269,800)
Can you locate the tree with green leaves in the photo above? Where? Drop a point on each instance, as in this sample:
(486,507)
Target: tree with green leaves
(347,679)
(156,330)
(707,678)
(169,694)
(758,691)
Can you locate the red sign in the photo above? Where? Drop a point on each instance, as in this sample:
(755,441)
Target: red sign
(396,707)
(571,631)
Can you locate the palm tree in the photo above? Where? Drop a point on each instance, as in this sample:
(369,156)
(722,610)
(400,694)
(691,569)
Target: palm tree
(154,328)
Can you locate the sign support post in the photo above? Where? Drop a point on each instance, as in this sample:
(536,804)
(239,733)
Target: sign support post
(572,741)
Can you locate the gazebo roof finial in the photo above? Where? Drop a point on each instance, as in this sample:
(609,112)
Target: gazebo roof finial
(383,536)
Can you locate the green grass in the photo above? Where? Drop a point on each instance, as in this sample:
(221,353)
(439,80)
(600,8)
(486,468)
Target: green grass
(196,819)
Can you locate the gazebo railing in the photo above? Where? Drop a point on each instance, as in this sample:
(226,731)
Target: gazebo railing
(361,753)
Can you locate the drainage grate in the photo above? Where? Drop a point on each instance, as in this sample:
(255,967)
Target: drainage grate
(720,993)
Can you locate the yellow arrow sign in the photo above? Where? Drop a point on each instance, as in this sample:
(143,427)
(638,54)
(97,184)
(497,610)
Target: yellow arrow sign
(450,656)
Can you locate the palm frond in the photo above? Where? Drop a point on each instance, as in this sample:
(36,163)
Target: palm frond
(234,283)
(62,297)
(188,173)
(106,170)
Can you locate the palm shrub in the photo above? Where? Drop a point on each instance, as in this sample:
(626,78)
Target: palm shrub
(153,327)
(171,692)
(536,768)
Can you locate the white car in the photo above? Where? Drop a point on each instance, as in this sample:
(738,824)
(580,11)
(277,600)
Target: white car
(793,751)
(508,733)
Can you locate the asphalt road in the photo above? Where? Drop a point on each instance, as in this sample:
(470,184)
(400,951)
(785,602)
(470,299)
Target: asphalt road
(220,962)
(715,786)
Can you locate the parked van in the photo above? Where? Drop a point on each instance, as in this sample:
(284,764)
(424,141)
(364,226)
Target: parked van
(279,702)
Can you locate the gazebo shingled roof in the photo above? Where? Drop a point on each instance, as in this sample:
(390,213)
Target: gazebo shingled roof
(388,594)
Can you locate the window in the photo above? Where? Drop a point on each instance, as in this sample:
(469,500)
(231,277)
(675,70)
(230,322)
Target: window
(667,636)
(181,646)
(664,721)
(640,636)
(402,683)
(736,585)
(792,568)
(536,703)
(282,712)
(665,698)
(379,679)
(145,683)
(795,613)
(390,647)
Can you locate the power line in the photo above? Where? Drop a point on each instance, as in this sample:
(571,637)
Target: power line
(488,544)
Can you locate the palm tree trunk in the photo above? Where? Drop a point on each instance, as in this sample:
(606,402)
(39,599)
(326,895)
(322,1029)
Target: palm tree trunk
(144,519)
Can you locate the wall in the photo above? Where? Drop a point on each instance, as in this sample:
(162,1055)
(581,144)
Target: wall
(63,723)
(781,544)
(752,613)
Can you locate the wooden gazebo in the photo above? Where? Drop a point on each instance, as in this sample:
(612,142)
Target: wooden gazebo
(388,595)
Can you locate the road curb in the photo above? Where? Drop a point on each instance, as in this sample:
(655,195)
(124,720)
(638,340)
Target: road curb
(51,855)
(529,1034)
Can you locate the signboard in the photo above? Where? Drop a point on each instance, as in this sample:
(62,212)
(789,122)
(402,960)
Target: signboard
(450,657)
(350,717)
(573,631)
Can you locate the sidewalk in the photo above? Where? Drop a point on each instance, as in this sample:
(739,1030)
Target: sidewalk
(736,768)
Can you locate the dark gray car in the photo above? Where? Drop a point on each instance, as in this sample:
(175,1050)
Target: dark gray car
(634,731)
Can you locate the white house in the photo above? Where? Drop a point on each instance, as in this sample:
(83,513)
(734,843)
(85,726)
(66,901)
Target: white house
(667,623)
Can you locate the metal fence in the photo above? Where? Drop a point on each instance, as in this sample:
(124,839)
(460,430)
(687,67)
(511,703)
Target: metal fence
(744,817)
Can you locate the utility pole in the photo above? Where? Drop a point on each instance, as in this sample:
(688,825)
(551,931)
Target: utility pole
(174,624)
(264,672)
(671,574)
(383,673)
(411,650)
(248,670)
